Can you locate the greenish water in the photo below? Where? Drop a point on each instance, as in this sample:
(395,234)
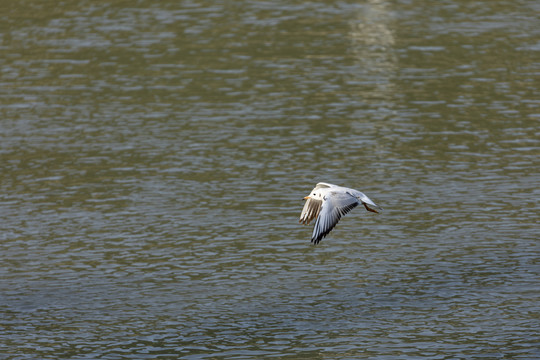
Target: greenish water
(153,158)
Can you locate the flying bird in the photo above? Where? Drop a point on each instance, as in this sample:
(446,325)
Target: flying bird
(328,203)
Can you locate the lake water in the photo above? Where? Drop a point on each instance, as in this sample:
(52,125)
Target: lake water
(154,157)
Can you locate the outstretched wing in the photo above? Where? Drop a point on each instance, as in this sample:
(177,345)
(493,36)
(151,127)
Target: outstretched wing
(311,210)
(312,207)
(334,206)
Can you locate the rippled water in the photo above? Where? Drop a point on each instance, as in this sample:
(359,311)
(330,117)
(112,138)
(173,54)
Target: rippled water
(154,157)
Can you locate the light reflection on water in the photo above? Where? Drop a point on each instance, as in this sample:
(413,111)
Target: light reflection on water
(154,160)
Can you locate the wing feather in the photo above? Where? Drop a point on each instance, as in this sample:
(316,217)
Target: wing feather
(311,210)
(335,206)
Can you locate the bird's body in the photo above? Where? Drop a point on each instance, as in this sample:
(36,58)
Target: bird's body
(328,203)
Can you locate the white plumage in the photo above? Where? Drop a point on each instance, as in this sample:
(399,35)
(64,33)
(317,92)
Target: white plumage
(328,203)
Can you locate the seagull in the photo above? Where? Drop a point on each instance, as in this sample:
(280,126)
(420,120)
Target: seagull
(328,203)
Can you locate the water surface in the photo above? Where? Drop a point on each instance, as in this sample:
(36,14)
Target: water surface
(154,157)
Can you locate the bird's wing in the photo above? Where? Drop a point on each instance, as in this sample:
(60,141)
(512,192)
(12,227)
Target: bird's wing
(311,210)
(324,185)
(334,206)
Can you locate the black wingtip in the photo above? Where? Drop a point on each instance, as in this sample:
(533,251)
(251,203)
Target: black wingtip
(317,240)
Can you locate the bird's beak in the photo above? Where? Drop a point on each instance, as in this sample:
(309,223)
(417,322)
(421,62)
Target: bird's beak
(307,197)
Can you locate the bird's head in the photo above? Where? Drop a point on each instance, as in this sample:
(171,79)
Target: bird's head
(314,196)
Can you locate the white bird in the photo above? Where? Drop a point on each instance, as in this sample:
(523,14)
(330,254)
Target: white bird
(328,203)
